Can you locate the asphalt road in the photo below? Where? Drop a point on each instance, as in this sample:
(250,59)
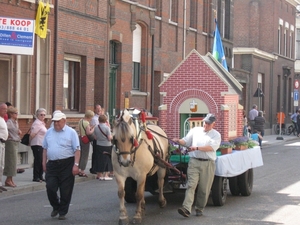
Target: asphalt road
(274,200)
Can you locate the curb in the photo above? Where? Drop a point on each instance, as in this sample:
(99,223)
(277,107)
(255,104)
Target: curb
(28,188)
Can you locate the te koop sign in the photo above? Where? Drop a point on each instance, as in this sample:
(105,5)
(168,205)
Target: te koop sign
(16,36)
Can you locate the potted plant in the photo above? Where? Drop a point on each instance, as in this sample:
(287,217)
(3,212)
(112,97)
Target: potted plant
(241,143)
(226,147)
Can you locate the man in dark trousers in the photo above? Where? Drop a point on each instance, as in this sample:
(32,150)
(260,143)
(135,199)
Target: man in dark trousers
(62,150)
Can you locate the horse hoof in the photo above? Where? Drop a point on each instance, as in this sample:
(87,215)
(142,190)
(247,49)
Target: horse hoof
(124,221)
(137,220)
(163,203)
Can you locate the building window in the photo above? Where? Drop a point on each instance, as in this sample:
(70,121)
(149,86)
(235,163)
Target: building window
(291,44)
(193,13)
(279,39)
(71,84)
(260,78)
(136,57)
(227,19)
(298,44)
(174,10)
(158,7)
(206,17)
(285,43)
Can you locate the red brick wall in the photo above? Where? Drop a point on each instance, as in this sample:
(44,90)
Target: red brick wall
(195,79)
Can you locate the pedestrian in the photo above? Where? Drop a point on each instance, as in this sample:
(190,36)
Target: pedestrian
(259,125)
(3,138)
(256,136)
(294,120)
(245,127)
(95,122)
(11,147)
(298,122)
(62,150)
(37,133)
(85,129)
(103,137)
(252,114)
(203,142)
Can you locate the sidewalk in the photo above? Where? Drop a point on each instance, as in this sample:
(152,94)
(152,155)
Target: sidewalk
(25,184)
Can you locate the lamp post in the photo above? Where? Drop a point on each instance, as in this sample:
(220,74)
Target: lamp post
(286,71)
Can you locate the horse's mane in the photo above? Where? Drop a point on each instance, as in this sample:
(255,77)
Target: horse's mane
(122,131)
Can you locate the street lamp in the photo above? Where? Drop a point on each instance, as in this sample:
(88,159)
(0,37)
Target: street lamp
(286,71)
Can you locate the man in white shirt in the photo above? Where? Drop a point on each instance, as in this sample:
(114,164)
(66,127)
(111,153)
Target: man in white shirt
(203,142)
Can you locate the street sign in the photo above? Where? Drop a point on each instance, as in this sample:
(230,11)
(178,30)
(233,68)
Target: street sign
(296,84)
(296,97)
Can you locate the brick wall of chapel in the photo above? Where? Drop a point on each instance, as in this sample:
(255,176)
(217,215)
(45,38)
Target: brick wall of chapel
(194,79)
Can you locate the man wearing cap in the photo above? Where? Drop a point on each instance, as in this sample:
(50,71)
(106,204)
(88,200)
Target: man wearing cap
(202,143)
(62,150)
(3,138)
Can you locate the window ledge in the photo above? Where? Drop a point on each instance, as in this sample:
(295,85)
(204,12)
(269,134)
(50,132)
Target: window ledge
(139,93)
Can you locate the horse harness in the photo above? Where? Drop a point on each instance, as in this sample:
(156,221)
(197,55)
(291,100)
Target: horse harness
(156,151)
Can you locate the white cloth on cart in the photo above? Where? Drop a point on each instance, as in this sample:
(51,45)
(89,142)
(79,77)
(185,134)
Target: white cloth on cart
(236,163)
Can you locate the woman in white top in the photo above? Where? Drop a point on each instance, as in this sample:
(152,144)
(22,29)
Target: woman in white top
(37,134)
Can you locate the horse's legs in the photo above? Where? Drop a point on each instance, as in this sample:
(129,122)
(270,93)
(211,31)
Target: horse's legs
(160,181)
(140,201)
(123,217)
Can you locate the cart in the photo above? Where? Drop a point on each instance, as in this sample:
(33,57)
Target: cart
(234,169)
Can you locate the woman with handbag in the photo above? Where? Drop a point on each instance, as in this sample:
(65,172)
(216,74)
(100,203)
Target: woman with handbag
(37,134)
(85,137)
(103,149)
(11,147)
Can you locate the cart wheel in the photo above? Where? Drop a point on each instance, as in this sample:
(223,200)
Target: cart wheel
(130,190)
(219,190)
(234,186)
(245,182)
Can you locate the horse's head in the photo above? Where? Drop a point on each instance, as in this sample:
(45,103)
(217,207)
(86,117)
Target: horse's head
(124,138)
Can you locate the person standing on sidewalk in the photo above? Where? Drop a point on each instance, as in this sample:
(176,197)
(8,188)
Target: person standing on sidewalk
(3,138)
(12,146)
(251,116)
(259,125)
(37,133)
(203,143)
(94,122)
(62,150)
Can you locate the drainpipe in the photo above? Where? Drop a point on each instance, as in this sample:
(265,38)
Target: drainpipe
(152,76)
(184,30)
(55,56)
(271,94)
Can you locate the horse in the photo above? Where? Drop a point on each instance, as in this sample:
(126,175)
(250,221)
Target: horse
(137,155)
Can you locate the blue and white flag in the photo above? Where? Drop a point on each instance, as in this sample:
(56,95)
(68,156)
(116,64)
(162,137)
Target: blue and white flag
(218,51)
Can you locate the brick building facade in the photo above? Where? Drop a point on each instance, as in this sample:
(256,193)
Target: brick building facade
(264,55)
(112,52)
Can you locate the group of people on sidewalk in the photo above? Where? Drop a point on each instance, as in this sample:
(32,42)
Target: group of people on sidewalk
(59,152)
(255,127)
(9,142)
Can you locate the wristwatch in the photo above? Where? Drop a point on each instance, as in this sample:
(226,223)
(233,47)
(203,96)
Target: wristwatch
(76,164)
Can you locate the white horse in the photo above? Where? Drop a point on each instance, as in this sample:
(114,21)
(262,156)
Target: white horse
(137,155)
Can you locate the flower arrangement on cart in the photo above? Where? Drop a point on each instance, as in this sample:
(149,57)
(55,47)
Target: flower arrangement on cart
(239,143)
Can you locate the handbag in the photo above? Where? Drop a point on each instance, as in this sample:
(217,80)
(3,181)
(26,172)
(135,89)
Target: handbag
(25,138)
(85,139)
